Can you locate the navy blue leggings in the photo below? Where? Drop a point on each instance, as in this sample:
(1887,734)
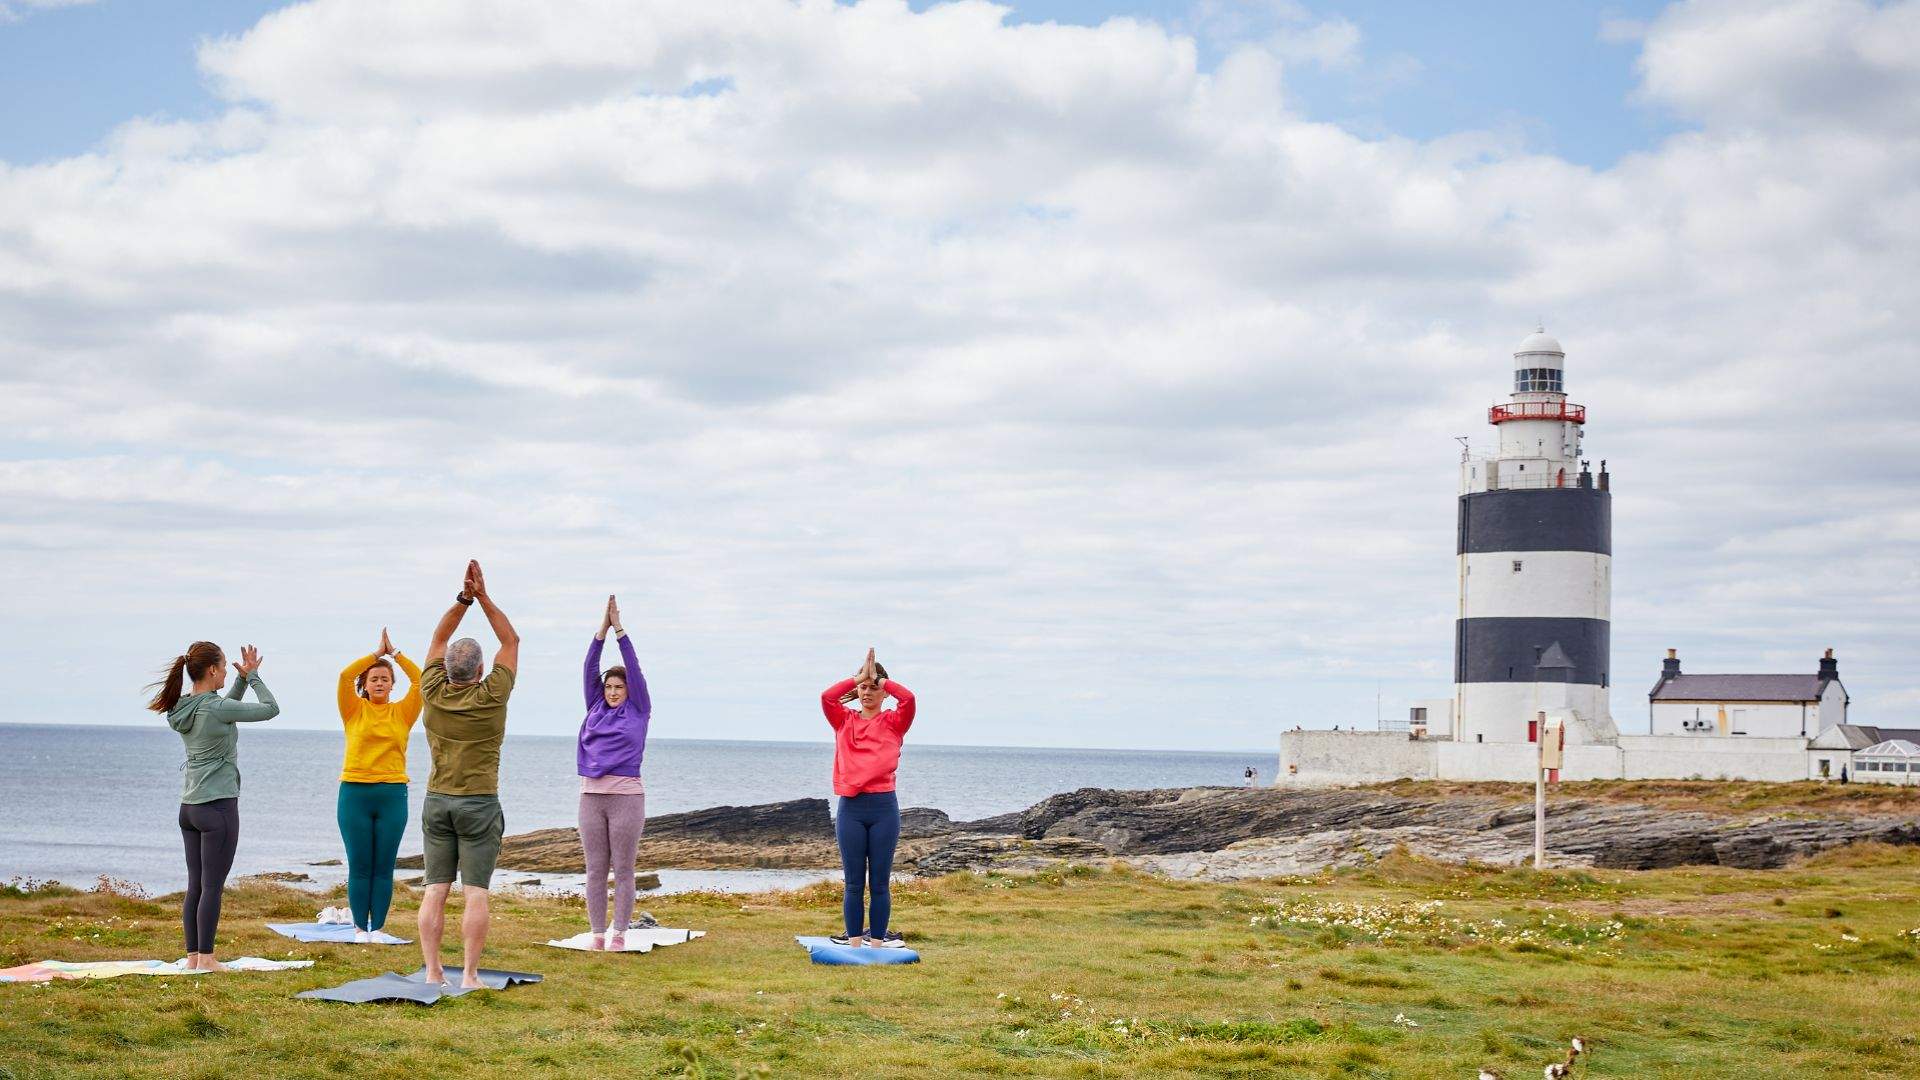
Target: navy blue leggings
(868,828)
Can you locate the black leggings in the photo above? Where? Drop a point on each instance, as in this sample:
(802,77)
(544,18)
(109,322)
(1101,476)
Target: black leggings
(212,832)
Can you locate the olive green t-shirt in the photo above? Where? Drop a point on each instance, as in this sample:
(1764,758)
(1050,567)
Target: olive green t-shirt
(464,727)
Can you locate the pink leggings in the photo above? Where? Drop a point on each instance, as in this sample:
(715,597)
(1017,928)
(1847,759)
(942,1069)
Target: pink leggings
(610,828)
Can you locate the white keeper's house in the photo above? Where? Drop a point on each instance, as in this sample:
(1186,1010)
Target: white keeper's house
(1533,644)
(1769,706)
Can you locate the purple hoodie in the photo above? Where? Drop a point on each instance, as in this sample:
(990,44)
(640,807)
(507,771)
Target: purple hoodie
(612,741)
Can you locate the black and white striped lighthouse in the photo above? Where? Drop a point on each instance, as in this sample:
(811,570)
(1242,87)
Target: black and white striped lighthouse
(1536,566)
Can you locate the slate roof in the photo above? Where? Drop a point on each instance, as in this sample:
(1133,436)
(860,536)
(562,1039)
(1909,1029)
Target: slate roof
(1554,657)
(1739,688)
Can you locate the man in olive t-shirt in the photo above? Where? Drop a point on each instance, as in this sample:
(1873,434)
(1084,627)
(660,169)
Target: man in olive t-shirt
(466,718)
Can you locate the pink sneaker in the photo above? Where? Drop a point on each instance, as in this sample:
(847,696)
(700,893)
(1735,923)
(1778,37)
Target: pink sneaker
(595,944)
(618,942)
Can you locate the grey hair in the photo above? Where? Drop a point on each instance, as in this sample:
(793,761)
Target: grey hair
(463,661)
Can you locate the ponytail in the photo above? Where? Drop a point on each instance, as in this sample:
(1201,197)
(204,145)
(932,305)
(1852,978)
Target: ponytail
(200,657)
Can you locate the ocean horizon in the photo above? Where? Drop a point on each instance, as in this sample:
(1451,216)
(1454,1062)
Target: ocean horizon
(85,800)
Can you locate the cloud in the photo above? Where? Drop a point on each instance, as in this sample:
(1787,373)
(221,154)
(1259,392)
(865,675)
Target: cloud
(1100,388)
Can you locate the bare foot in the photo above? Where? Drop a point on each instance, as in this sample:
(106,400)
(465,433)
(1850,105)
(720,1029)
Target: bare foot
(208,963)
(435,975)
(470,981)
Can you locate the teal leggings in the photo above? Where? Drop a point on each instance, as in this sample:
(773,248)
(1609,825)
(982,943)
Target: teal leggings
(373,818)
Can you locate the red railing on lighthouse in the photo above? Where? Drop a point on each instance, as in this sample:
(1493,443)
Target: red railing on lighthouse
(1537,410)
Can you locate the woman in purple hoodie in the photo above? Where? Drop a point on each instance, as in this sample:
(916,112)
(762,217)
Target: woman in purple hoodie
(613,804)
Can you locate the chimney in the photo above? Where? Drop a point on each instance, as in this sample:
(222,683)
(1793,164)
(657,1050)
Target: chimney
(1671,666)
(1829,667)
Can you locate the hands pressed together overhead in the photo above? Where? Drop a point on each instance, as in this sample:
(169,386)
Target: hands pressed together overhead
(248,663)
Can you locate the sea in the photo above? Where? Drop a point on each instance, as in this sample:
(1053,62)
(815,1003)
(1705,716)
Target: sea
(78,802)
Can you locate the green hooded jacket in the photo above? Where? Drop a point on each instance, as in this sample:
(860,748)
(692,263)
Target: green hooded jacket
(205,723)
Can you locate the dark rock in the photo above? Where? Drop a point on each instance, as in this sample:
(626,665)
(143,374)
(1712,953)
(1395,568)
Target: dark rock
(982,853)
(923,821)
(1613,835)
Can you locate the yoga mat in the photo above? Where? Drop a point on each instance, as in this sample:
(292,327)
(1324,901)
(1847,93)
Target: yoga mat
(341,933)
(47,970)
(823,951)
(392,986)
(637,940)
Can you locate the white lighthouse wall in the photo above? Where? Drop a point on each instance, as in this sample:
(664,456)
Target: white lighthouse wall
(1555,441)
(1549,584)
(1492,712)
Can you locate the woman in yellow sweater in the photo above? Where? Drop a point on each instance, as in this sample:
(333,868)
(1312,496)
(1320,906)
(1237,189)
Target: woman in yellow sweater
(373,783)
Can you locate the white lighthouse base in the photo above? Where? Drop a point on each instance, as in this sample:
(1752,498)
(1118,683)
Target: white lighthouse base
(1347,758)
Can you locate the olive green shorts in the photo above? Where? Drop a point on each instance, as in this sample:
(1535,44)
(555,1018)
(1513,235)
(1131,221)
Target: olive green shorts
(462,835)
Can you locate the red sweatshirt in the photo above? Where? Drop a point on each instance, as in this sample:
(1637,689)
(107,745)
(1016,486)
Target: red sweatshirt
(866,752)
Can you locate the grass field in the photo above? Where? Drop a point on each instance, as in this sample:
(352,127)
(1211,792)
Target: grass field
(1403,969)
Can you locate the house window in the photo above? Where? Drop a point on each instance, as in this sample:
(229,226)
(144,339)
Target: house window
(1516,566)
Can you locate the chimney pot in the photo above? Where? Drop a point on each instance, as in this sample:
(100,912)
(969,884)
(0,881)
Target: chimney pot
(1829,655)
(1674,654)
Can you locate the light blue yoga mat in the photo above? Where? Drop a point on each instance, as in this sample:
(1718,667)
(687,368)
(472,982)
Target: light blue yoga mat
(826,952)
(335,932)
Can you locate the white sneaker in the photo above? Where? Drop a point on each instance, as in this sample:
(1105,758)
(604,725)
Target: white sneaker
(361,937)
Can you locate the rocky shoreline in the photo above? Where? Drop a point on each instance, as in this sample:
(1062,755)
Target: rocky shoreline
(1233,833)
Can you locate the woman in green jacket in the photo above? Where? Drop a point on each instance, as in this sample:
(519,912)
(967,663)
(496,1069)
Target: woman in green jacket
(210,795)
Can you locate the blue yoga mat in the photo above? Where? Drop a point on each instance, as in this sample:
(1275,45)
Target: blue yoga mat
(336,932)
(396,987)
(826,952)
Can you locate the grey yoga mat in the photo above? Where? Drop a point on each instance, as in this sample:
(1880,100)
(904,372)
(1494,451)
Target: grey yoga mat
(395,987)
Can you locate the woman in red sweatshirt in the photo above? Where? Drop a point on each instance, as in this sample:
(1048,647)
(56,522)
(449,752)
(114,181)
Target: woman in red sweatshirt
(866,751)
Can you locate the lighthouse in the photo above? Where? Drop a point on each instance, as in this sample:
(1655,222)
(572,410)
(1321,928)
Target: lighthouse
(1536,567)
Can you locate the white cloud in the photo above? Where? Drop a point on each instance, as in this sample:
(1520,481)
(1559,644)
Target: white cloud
(1040,356)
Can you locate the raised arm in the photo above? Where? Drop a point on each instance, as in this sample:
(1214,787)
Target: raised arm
(349,700)
(509,655)
(409,705)
(636,679)
(443,633)
(903,700)
(233,711)
(836,713)
(595,694)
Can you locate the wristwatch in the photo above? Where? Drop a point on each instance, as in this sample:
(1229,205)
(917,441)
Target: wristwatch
(464,600)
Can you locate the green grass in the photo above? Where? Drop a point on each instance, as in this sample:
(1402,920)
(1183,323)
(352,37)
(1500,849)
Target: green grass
(1407,968)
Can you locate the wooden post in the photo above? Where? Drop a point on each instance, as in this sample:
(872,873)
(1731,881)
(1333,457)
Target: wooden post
(1540,811)
(1553,740)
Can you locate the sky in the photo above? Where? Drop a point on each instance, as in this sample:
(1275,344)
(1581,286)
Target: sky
(1100,364)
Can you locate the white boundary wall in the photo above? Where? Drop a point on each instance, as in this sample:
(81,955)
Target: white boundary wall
(1339,758)
(1679,757)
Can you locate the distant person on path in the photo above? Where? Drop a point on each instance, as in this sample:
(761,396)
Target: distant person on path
(866,753)
(613,801)
(1252,775)
(461,820)
(210,792)
(372,807)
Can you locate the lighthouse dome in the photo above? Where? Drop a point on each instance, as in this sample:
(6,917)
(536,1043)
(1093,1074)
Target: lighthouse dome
(1540,342)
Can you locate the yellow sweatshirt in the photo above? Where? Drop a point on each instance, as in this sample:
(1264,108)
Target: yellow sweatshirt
(377,734)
